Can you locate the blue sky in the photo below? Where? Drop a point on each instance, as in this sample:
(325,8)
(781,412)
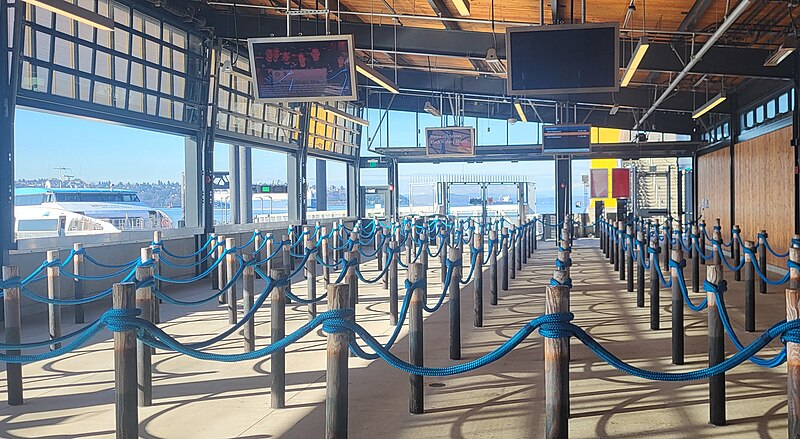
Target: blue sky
(99,151)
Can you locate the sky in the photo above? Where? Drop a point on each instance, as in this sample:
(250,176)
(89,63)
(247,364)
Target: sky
(99,151)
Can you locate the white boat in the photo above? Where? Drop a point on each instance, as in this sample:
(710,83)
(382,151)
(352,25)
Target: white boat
(46,212)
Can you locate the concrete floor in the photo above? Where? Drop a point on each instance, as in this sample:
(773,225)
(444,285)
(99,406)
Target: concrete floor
(72,396)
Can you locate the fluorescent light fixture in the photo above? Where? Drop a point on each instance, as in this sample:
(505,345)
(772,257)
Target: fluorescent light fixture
(431,109)
(345,115)
(787,48)
(705,108)
(462,6)
(520,113)
(636,59)
(613,110)
(75,12)
(495,64)
(374,76)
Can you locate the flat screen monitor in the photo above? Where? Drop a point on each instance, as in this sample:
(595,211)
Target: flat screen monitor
(560,59)
(302,69)
(565,139)
(450,142)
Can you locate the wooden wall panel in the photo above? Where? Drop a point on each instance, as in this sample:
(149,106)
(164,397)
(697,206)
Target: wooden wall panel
(714,189)
(765,189)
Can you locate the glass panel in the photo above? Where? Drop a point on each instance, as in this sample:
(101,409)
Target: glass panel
(783,103)
(102,93)
(85,59)
(63,84)
(760,114)
(102,64)
(64,55)
(84,84)
(771,109)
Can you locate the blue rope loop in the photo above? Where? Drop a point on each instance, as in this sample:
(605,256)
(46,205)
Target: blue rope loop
(556,325)
(563,265)
(567,282)
(417,284)
(715,288)
(119,320)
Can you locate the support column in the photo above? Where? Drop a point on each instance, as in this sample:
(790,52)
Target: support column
(296,180)
(245,185)
(8,100)
(563,186)
(353,188)
(234,186)
(322,184)
(393,212)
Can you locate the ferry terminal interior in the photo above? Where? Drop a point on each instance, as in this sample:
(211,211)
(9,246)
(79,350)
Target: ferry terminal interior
(435,218)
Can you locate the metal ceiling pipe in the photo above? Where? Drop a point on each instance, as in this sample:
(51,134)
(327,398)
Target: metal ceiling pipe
(740,8)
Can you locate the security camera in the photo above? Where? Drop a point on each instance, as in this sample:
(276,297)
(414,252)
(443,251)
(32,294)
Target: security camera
(512,120)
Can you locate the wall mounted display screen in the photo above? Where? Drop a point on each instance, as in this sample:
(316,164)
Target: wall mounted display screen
(566,139)
(302,69)
(579,58)
(450,142)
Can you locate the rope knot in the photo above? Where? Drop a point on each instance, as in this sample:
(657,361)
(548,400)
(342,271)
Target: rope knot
(567,282)
(449,264)
(792,334)
(555,325)
(562,265)
(715,288)
(676,264)
(119,320)
(417,284)
(792,264)
(562,249)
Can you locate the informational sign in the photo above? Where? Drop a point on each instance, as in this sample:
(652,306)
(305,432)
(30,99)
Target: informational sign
(450,142)
(565,139)
(599,183)
(299,69)
(621,183)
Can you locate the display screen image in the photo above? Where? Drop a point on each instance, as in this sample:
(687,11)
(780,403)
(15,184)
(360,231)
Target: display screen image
(566,138)
(450,142)
(301,69)
(563,59)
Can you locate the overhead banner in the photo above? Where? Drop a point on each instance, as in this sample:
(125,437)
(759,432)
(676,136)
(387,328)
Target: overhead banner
(301,69)
(450,142)
(599,183)
(621,183)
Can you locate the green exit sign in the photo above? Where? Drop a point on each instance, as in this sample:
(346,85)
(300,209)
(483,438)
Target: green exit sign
(373,163)
(266,189)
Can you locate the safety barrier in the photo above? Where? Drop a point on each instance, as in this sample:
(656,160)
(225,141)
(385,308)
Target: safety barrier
(136,334)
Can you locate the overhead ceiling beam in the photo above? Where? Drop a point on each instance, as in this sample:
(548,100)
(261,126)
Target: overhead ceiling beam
(680,123)
(459,43)
(440,9)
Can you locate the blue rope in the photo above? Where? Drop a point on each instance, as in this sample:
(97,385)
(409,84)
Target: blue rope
(176,256)
(682,284)
(763,237)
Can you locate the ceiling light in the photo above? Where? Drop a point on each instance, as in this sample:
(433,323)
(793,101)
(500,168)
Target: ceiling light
(344,115)
(786,49)
(75,12)
(495,64)
(462,6)
(429,108)
(376,77)
(613,110)
(520,113)
(705,108)
(638,54)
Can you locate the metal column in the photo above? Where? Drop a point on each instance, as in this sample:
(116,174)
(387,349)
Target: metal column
(234,177)
(245,184)
(8,95)
(393,211)
(563,187)
(322,184)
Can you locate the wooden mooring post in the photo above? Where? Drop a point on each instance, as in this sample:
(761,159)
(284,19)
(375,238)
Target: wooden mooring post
(556,365)
(629,257)
(655,286)
(144,353)
(454,291)
(677,310)
(13,330)
(248,301)
(311,277)
(504,241)
(78,285)
(640,268)
(493,267)
(230,261)
(53,293)
(749,288)
(762,260)
(793,365)
(621,257)
(693,241)
(736,252)
(125,375)
(337,373)
(278,332)
(716,350)
(477,280)
(394,287)
(416,402)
